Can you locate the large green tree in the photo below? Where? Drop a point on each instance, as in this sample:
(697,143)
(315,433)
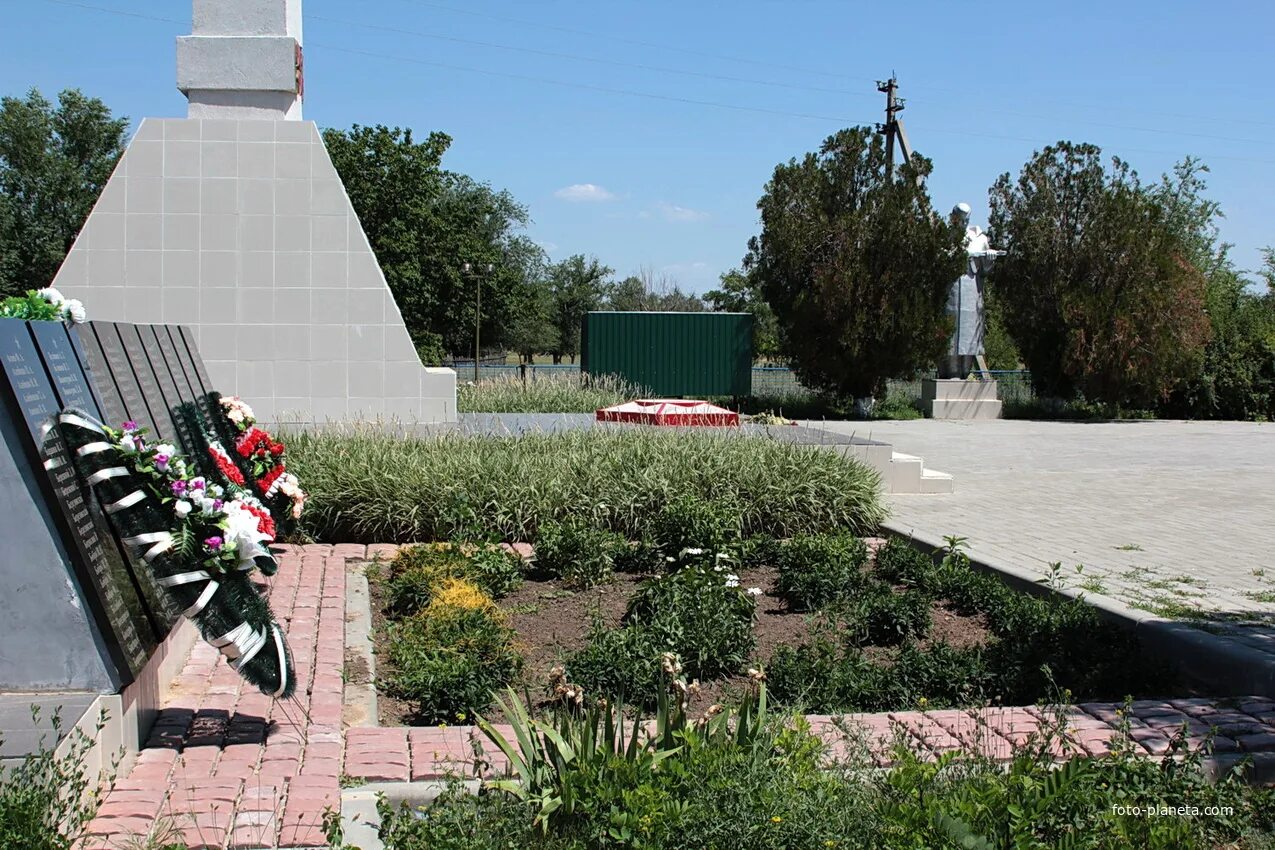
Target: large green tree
(424,223)
(856,265)
(54,162)
(738,292)
(1100,287)
(578,285)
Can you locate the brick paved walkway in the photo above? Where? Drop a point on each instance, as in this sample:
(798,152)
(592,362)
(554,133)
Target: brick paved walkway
(228,768)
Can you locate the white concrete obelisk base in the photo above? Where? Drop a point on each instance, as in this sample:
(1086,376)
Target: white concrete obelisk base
(234,221)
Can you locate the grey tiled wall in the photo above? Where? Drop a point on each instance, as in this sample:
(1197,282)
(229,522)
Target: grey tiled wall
(242,230)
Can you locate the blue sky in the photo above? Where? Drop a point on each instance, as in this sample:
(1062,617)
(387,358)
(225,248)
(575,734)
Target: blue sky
(614,157)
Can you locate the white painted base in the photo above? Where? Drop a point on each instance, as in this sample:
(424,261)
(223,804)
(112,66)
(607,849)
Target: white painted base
(953,398)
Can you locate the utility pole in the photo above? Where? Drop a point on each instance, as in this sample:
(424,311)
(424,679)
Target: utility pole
(469,269)
(893,127)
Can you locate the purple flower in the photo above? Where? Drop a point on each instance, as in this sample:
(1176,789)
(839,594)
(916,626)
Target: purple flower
(213,543)
(179,488)
(217,503)
(161,461)
(198,484)
(130,425)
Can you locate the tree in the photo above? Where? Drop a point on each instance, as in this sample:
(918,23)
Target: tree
(647,291)
(1099,286)
(856,266)
(739,293)
(578,286)
(424,223)
(54,162)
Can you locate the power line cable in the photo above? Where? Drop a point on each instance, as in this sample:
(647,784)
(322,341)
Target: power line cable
(799,69)
(752,81)
(843,121)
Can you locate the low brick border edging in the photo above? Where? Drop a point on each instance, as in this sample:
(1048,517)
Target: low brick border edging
(1219,663)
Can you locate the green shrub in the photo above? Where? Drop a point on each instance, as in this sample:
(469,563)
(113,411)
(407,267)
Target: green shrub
(760,550)
(699,613)
(694,522)
(898,563)
(881,617)
(367,485)
(581,555)
(815,570)
(448,660)
(44,801)
(416,571)
(621,664)
(640,557)
(495,570)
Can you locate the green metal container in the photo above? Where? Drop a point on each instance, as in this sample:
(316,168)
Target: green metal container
(672,354)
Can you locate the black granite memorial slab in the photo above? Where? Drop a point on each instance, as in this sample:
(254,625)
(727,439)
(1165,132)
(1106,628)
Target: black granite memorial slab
(125,380)
(187,357)
(102,382)
(192,350)
(169,353)
(62,364)
(140,356)
(108,589)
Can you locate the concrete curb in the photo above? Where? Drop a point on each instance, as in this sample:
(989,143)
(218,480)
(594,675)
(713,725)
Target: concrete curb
(359,820)
(1226,666)
(360,706)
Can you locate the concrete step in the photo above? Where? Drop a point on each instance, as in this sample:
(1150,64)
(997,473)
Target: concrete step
(905,473)
(934,482)
(962,408)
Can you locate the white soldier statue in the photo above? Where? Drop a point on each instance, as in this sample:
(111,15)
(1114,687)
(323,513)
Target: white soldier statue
(965,303)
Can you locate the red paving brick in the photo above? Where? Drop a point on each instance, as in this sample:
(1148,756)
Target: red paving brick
(229,767)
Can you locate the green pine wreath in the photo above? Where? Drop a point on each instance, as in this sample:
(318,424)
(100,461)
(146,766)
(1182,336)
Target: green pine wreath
(198,546)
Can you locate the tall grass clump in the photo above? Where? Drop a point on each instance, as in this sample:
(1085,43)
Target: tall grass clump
(369,485)
(570,392)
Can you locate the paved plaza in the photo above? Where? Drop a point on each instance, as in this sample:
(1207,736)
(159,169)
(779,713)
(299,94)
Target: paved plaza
(1174,518)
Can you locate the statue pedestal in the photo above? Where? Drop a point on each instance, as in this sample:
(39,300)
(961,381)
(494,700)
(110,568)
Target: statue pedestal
(954,398)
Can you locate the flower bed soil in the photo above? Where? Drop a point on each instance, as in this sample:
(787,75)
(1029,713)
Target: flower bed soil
(551,622)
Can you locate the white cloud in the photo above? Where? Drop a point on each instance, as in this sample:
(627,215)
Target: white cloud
(583,192)
(672,212)
(549,247)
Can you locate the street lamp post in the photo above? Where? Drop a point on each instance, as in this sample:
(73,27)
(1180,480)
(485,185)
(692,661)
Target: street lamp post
(468,268)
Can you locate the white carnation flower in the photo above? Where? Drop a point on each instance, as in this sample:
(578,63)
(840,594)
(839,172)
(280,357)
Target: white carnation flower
(75,310)
(182,508)
(51,295)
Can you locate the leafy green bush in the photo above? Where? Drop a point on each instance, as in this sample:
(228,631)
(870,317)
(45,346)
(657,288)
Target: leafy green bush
(581,555)
(699,613)
(367,485)
(689,521)
(495,570)
(416,571)
(881,617)
(619,663)
(817,569)
(448,659)
(44,803)
(898,563)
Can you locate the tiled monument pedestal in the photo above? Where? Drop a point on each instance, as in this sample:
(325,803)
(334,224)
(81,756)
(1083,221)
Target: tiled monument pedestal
(954,398)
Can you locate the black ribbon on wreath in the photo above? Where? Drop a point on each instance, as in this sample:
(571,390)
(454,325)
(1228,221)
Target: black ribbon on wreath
(224,603)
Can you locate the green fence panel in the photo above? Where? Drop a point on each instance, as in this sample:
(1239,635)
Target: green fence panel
(672,354)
